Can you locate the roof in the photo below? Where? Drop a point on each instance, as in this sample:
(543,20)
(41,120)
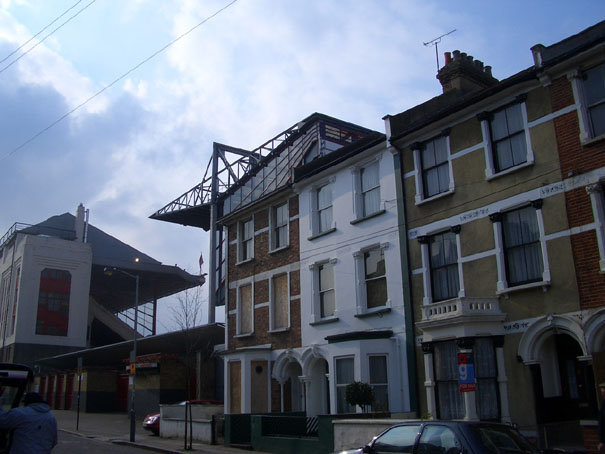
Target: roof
(114,355)
(453,101)
(571,45)
(322,163)
(117,292)
(266,170)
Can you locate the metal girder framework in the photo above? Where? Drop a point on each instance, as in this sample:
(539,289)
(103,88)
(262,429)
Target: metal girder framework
(235,178)
(145,319)
(228,172)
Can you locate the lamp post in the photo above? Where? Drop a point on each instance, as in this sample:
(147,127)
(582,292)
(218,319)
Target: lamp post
(133,359)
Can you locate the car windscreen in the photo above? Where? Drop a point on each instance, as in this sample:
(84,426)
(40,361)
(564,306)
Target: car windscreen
(8,397)
(502,440)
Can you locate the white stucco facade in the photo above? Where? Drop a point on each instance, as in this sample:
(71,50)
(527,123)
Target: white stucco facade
(354,330)
(21,267)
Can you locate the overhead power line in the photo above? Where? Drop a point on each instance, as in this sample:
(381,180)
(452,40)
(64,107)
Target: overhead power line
(45,27)
(43,39)
(115,81)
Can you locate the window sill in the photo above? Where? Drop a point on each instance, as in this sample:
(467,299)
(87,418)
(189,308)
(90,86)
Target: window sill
(279,330)
(493,176)
(324,321)
(372,312)
(239,336)
(314,237)
(243,262)
(369,216)
(279,249)
(518,288)
(434,197)
(592,140)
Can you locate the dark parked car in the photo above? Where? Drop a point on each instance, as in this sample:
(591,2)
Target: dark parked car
(448,437)
(152,420)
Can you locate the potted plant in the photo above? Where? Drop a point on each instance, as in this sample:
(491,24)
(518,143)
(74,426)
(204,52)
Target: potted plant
(360,393)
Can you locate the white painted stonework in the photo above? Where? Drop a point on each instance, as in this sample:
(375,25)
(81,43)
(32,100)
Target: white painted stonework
(342,248)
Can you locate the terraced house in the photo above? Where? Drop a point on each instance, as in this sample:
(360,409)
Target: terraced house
(503,202)
(354,310)
(249,204)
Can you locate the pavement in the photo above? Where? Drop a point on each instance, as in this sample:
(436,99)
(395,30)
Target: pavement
(115,428)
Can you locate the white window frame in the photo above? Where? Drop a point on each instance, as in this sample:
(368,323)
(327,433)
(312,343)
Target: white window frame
(314,225)
(274,227)
(386,384)
(426,264)
(358,203)
(360,274)
(597,199)
(238,313)
(240,240)
(342,385)
(502,286)
(417,149)
(484,118)
(316,317)
(272,311)
(577,85)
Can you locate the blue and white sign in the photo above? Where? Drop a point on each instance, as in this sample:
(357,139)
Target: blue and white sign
(466,373)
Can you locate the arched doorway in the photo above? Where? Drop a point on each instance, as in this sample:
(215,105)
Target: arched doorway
(564,387)
(295,402)
(318,388)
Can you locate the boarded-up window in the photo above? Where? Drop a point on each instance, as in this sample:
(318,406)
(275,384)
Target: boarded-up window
(53,302)
(280,302)
(259,383)
(235,387)
(245,309)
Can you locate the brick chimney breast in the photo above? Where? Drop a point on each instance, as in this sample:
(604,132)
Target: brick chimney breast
(464,73)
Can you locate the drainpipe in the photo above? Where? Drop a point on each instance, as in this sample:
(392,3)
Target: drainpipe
(410,347)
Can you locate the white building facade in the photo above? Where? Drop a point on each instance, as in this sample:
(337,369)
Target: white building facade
(352,304)
(45,284)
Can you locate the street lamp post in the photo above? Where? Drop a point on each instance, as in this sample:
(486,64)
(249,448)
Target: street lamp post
(133,359)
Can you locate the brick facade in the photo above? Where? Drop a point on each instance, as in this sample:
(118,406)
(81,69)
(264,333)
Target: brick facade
(259,270)
(577,159)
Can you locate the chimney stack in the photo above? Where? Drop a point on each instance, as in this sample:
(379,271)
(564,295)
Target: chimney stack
(465,74)
(79,223)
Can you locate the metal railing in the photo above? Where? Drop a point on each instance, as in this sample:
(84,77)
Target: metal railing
(36,230)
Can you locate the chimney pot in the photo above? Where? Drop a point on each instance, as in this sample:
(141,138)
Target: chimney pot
(464,73)
(79,223)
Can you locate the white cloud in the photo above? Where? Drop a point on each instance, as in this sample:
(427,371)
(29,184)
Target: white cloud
(244,76)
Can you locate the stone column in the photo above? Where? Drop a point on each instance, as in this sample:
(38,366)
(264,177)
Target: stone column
(429,380)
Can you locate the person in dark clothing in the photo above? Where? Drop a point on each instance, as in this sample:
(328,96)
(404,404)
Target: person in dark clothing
(34,427)
(602,418)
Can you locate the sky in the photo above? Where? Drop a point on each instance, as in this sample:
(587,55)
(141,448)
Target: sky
(240,78)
